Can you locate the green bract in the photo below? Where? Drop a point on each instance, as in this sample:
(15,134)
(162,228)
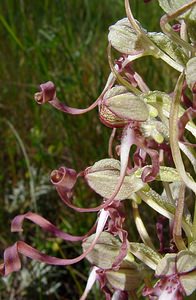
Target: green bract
(147,255)
(168,46)
(170,6)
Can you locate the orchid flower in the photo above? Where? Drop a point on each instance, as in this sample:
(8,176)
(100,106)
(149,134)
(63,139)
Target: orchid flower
(177,273)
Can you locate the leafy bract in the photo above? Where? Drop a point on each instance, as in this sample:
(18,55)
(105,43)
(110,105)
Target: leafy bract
(162,102)
(146,254)
(166,174)
(168,46)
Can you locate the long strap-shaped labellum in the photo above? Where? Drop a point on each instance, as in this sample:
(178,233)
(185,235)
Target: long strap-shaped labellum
(48,94)
(12,261)
(17,223)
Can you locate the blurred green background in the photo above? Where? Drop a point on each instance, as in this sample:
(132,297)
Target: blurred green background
(64,41)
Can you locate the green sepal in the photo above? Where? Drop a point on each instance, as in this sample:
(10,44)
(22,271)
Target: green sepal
(103,177)
(105,251)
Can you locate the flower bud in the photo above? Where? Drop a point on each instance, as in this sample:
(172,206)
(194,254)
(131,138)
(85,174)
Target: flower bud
(128,107)
(107,117)
(124,38)
(119,107)
(104,252)
(127,278)
(103,178)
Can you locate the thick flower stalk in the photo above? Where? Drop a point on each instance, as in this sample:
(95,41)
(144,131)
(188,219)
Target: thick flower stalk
(153,129)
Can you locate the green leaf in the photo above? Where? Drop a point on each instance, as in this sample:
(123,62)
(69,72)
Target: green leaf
(103,177)
(146,254)
(168,46)
(191,73)
(128,106)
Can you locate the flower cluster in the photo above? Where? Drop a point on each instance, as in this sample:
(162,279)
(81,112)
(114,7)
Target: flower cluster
(160,127)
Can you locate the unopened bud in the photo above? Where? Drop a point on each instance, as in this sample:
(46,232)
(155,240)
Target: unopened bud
(127,278)
(105,251)
(103,178)
(124,38)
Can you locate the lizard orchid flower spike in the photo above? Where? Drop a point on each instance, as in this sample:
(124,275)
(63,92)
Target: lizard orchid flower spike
(152,128)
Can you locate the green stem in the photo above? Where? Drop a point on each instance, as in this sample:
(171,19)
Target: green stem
(150,199)
(133,295)
(194,224)
(140,226)
(173,133)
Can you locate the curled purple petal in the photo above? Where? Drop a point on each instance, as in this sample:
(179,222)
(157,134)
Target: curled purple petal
(47,93)
(64,177)
(11,255)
